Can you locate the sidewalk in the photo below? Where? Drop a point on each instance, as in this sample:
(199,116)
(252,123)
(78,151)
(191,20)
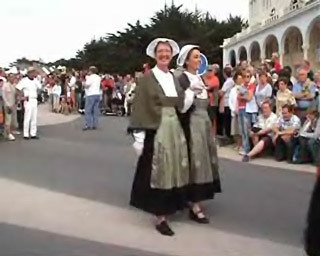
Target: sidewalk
(46,117)
(228,152)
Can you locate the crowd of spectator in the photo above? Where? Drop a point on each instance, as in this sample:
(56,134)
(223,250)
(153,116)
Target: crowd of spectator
(268,109)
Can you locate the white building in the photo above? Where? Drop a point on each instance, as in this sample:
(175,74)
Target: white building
(289,27)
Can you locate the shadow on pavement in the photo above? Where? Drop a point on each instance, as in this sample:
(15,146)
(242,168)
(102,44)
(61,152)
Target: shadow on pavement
(19,241)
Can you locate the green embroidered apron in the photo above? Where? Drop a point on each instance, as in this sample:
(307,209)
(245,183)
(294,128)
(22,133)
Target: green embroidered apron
(204,158)
(170,166)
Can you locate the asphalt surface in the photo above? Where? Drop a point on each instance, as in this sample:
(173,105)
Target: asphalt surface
(259,202)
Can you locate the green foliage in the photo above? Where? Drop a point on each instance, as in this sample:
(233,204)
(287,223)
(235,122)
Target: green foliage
(124,51)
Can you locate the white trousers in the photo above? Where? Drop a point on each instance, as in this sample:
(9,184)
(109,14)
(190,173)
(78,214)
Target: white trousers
(30,118)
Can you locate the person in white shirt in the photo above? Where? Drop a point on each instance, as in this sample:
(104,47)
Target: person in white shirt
(224,95)
(56,93)
(72,86)
(261,133)
(92,86)
(29,86)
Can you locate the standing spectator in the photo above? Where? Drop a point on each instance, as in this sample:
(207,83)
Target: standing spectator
(224,96)
(261,133)
(264,90)
(72,86)
(317,84)
(287,126)
(212,82)
(29,86)
(234,108)
(304,92)
(56,93)
(9,99)
(276,62)
(287,72)
(92,86)
(306,65)
(78,92)
(129,94)
(284,96)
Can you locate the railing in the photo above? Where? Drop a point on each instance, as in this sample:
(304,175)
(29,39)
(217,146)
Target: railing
(272,19)
(294,7)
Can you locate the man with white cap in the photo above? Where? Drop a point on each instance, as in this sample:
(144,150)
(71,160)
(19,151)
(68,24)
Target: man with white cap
(29,86)
(9,99)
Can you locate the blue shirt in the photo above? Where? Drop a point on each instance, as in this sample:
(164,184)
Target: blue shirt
(298,88)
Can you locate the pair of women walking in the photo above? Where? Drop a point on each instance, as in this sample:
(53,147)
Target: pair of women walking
(178,163)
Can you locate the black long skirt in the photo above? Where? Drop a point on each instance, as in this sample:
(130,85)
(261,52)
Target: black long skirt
(164,201)
(312,235)
(155,201)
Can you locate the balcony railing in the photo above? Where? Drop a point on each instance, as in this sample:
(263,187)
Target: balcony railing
(272,19)
(294,7)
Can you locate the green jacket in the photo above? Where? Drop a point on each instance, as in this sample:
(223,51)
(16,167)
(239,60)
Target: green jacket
(148,102)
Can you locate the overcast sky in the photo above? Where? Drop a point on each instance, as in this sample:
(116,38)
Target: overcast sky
(54,29)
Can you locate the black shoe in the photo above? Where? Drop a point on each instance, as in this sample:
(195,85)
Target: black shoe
(86,128)
(26,138)
(35,138)
(195,217)
(245,159)
(164,229)
(94,128)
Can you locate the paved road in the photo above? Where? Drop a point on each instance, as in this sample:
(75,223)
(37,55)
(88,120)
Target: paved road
(67,194)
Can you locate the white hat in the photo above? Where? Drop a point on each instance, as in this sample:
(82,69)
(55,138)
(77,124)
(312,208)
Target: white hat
(184,53)
(152,46)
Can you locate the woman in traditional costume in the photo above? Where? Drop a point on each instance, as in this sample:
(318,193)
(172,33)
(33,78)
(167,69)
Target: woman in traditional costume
(162,175)
(203,159)
(312,236)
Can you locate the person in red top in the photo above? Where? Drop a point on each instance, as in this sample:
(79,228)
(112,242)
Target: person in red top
(107,87)
(276,61)
(213,84)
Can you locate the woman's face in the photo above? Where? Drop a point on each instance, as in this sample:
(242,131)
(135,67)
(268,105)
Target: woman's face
(163,54)
(194,60)
(247,77)
(282,86)
(263,79)
(239,80)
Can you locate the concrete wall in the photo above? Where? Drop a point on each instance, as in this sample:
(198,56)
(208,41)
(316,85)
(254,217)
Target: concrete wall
(303,20)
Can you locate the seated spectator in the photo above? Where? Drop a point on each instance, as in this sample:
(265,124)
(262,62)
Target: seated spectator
(261,133)
(306,144)
(304,92)
(287,126)
(284,96)
(264,89)
(65,107)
